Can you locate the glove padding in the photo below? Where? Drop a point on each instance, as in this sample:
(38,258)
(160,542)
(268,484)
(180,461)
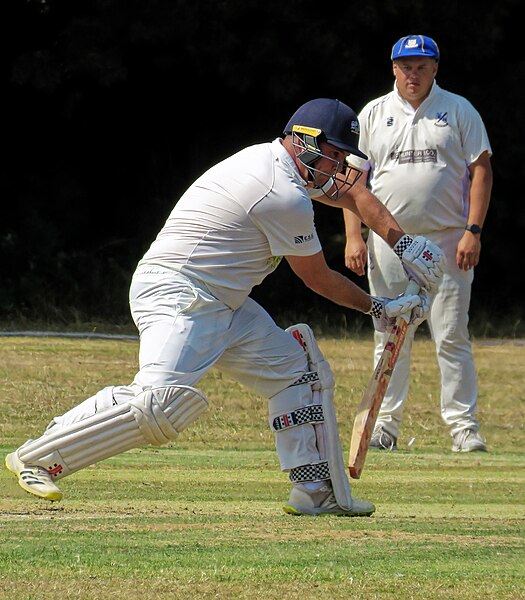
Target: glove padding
(421,312)
(422,260)
(385,311)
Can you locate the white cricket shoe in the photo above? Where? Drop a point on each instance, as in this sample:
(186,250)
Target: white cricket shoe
(383,440)
(468,440)
(34,480)
(322,502)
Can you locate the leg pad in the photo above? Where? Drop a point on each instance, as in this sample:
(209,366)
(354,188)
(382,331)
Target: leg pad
(154,416)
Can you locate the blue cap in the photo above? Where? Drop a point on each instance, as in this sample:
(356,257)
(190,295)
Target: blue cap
(336,120)
(415,45)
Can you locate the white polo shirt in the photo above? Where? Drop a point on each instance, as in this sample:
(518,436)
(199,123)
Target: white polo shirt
(234,223)
(418,158)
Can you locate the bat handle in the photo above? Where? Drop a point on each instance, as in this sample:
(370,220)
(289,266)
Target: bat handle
(412,288)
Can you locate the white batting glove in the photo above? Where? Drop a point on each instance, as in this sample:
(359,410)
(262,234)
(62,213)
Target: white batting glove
(422,260)
(421,312)
(385,311)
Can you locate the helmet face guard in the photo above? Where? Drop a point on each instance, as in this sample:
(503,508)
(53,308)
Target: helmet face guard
(306,142)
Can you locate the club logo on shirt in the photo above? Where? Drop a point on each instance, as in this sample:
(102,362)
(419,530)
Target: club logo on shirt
(441,119)
(390,121)
(301,239)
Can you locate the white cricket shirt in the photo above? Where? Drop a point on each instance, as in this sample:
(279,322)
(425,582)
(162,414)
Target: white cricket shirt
(234,223)
(418,159)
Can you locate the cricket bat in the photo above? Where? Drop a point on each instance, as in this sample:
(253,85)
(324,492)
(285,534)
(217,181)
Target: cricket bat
(368,409)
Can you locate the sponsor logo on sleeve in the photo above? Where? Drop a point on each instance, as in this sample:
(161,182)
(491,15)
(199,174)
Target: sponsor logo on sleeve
(302,239)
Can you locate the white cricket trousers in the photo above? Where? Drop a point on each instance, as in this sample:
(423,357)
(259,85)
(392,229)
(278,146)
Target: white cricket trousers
(184,331)
(448,324)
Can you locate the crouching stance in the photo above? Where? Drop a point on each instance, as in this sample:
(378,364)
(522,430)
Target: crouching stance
(190,299)
(302,417)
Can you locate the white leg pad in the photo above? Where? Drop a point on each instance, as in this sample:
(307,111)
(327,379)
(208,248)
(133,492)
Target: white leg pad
(332,465)
(154,416)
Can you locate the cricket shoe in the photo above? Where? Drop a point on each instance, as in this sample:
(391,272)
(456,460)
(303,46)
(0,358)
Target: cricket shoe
(468,440)
(303,501)
(383,440)
(34,480)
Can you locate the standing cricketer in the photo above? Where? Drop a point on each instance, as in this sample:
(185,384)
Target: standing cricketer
(189,298)
(429,164)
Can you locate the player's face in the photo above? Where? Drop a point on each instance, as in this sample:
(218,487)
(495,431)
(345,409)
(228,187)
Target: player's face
(414,77)
(333,166)
(333,160)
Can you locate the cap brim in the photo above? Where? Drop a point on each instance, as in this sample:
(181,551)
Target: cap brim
(415,53)
(358,153)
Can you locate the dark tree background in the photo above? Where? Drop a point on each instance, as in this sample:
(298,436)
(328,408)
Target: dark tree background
(111,108)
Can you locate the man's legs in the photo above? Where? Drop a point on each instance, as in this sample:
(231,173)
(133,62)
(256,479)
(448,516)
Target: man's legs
(183,332)
(176,321)
(449,327)
(448,323)
(271,361)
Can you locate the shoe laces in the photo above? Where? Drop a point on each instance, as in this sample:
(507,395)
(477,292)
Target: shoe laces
(330,502)
(386,440)
(463,435)
(36,471)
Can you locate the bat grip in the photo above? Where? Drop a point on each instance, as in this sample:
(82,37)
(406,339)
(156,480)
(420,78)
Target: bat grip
(412,288)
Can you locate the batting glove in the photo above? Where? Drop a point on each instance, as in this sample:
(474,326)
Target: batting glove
(421,312)
(422,260)
(385,311)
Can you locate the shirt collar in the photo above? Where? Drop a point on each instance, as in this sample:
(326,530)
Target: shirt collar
(407,106)
(283,154)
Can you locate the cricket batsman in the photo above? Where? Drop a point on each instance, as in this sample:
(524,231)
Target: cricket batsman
(190,300)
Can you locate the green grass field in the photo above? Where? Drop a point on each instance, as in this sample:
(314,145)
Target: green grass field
(202,518)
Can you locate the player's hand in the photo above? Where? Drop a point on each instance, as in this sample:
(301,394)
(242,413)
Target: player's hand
(468,251)
(384,311)
(422,260)
(356,255)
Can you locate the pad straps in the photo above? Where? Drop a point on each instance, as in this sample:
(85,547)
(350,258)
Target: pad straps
(306,414)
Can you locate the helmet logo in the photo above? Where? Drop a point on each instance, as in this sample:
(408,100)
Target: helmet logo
(313,131)
(310,138)
(354,127)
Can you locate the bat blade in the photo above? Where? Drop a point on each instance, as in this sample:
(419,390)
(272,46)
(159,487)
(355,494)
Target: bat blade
(368,409)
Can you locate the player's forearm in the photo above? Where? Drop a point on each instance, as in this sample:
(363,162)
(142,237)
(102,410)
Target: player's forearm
(340,290)
(352,224)
(480,191)
(320,278)
(368,209)
(374,214)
